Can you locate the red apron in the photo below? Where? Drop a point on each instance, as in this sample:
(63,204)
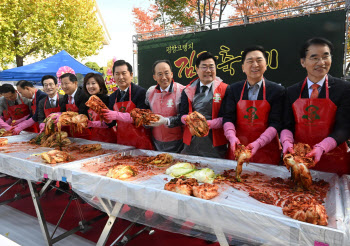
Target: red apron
(252,121)
(314,121)
(127,133)
(165,104)
(101,134)
(35,126)
(16,112)
(219,89)
(86,134)
(48,111)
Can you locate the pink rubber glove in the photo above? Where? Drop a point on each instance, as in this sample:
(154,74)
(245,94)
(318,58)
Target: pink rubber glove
(5,125)
(23,125)
(41,127)
(183,119)
(111,115)
(96,124)
(321,148)
(265,138)
(287,141)
(20,120)
(56,116)
(230,134)
(215,123)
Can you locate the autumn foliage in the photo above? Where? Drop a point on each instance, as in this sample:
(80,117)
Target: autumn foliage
(170,14)
(145,19)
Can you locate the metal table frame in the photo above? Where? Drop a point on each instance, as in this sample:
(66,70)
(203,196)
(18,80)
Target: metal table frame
(113,208)
(36,195)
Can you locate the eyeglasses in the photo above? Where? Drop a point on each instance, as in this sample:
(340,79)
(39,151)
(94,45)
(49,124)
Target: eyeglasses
(211,68)
(49,85)
(317,59)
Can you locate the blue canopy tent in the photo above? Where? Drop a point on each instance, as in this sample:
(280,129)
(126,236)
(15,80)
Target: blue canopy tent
(49,66)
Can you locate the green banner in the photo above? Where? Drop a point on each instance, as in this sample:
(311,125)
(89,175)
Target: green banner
(282,40)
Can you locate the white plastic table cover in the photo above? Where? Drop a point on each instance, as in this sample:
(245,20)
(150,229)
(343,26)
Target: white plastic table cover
(345,188)
(15,164)
(232,212)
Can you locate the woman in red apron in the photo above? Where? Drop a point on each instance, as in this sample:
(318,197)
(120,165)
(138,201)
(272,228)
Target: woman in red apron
(252,121)
(94,85)
(127,133)
(312,127)
(166,104)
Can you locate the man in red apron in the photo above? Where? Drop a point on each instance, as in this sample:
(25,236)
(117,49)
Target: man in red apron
(13,107)
(121,102)
(27,90)
(317,110)
(253,110)
(50,104)
(205,95)
(74,100)
(164,99)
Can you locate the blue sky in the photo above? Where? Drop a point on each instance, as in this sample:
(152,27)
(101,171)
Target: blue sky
(118,18)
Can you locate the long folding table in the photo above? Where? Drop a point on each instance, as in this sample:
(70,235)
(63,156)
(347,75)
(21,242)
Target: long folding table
(19,164)
(233,214)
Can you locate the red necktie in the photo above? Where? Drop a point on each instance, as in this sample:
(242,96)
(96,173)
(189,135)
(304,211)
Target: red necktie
(314,93)
(70,100)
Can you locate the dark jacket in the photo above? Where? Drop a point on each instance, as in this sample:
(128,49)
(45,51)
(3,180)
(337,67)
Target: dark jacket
(80,98)
(39,96)
(138,95)
(275,94)
(339,94)
(40,110)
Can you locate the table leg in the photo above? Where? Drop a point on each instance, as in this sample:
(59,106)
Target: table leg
(39,213)
(110,222)
(221,237)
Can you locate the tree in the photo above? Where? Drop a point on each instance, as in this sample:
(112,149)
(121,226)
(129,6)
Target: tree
(94,66)
(170,14)
(45,27)
(145,19)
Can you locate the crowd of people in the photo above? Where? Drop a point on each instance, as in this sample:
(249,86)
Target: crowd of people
(253,112)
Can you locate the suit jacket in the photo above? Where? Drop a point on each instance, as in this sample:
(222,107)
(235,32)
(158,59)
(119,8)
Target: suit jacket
(39,96)
(138,95)
(339,94)
(40,110)
(80,98)
(275,94)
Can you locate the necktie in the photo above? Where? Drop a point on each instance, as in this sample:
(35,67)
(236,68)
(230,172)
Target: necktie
(122,95)
(204,88)
(70,99)
(52,103)
(314,93)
